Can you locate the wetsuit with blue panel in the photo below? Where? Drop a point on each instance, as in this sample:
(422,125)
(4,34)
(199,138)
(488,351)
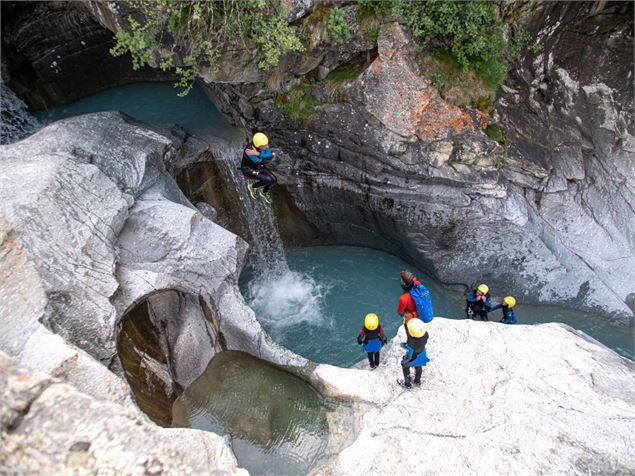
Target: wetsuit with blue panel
(508,314)
(253,167)
(416,357)
(477,307)
(373,341)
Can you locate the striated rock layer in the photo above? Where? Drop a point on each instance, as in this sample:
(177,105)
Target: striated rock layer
(54,53)
(384,162)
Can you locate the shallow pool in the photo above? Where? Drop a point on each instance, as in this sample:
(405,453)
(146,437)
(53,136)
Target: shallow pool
(317,309)
(277,423)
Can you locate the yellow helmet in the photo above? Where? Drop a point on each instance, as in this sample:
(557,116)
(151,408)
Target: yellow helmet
(260,139)
(483,288)
(416,327)
(371,321)
(510,301)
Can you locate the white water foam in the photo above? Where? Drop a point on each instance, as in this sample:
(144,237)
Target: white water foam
(287,297)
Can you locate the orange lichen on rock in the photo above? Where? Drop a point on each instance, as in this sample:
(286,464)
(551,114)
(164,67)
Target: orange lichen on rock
(437,119)
(402,99)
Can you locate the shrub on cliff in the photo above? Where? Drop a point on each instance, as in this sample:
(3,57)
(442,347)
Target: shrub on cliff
(339,30)
(471,31)
(189,35)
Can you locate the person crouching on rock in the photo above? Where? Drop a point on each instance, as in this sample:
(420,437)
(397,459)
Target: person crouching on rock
(416,355)
(253,167)
(478,303)
(373,338)
(508,313)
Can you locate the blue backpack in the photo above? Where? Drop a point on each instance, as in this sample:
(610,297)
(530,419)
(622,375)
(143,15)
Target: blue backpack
(423,302)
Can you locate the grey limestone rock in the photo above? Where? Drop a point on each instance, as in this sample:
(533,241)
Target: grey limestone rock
(103,234)
(47,427)
(495,398)
(386,163)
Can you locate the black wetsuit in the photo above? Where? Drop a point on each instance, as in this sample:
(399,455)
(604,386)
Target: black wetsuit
(366,335)
(477,307)
(418,345)
(253,167)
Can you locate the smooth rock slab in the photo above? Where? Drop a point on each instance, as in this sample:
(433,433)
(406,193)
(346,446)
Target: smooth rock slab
(495,399)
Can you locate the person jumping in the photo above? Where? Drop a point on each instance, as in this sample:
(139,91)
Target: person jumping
(253,167)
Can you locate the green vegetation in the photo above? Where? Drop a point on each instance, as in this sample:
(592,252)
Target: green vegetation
(190,35)
(374,8)
(339,30)
(373,35)
(493,132)
(298,102)
(483,103)
(343,74)
(470,31)
(465,38)
(446,70)
(458,86)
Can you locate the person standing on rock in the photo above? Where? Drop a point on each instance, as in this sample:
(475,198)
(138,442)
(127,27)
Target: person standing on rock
(373,338)
(253,167)
(478,303)
(406,307)
(416,355)
(508,313)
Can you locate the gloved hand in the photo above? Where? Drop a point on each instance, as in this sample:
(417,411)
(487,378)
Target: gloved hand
(403,345)
(404,361)
(359,341)
(384,341)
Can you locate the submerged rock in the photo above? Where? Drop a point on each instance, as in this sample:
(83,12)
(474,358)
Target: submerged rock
(495,399)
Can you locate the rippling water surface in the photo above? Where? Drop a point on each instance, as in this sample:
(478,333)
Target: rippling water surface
(317,309)
(277,422)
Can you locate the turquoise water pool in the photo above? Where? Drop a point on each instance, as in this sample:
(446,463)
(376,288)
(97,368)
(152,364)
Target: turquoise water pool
(154,103)
(317,309)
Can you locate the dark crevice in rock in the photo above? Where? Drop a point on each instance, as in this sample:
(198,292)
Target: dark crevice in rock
(23,399)
(205,181)
(145,364)
(213,318)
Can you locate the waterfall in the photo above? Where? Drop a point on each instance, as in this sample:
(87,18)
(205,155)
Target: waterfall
(17,123)
(279,296)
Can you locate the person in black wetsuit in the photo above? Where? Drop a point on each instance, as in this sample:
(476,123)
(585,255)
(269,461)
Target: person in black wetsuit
(478,303)
(416,355)
(253,167)
(373,338)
